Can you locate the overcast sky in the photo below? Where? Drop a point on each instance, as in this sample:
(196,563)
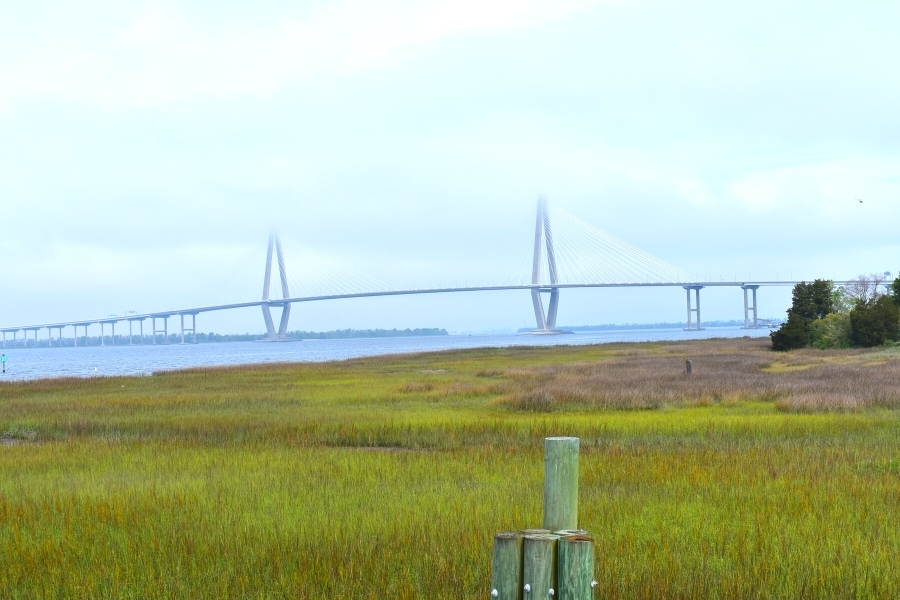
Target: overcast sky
(148,149)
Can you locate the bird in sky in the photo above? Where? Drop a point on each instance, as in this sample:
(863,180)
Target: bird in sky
(860,201)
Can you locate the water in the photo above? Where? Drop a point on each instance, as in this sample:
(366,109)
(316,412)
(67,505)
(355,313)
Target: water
(96,361)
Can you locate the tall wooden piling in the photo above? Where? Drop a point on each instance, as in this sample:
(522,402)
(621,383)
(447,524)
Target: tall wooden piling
(506,566)
(561,483)
(575,567)
(539,566)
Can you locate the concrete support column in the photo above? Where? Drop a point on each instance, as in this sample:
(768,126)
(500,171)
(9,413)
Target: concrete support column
(85,325)
(164,330)
(102,341)
(35,337)
(748,307)
(113,325)
(192,329)
(690,310)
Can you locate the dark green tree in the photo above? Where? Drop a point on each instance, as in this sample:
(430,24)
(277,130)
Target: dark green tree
(874,322)
(895,290)
(810,301)
(792,334)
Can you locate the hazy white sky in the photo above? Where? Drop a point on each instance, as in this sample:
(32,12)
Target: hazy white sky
(147,149)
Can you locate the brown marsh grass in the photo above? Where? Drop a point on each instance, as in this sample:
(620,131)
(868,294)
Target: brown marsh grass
(650,377)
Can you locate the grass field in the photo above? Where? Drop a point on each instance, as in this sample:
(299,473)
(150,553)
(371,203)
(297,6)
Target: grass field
(761,475)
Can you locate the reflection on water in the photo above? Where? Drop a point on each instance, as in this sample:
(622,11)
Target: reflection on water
(36,363)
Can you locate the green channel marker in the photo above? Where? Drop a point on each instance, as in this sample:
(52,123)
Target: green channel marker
(575,568)
(539,566)
(561,483)
(506,566)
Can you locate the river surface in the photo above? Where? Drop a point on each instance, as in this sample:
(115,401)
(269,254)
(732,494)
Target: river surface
(104,361)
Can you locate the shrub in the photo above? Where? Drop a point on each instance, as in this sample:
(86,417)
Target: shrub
(831,332)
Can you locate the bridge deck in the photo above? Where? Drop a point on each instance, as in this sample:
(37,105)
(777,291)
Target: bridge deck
(410,292)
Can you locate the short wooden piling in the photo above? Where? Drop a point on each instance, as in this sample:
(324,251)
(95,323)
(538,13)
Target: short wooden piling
(688,366)
(561,483)
(506,566)
(539,566)
(575,567)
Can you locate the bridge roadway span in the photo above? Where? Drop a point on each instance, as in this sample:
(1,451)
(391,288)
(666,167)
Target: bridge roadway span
(749,307)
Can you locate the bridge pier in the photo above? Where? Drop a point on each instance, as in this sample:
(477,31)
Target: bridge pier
(748,308)
(50,335)
(192,329)
(112,325)
(75,337)
(34,330)
(690,310)
(164,330)
(131,332)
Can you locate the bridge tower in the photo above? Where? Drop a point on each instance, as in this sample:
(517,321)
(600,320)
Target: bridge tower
(275,243)
(546,322)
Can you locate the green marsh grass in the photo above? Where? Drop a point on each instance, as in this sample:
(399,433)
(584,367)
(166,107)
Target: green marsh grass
(761,475)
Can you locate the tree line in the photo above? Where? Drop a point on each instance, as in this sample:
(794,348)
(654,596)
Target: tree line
(863,313)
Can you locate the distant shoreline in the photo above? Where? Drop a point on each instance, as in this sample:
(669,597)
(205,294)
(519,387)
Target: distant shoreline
(218,338)
(639,326)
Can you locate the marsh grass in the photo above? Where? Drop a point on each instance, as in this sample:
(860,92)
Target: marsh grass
(650,377)
(760,475)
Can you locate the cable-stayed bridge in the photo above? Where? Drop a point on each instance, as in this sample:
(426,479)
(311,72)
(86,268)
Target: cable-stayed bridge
(567,253)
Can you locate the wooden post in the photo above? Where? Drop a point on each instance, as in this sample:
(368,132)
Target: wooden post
(575,558)
(506,567)
(561,483)
(687,366)
(539,566)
